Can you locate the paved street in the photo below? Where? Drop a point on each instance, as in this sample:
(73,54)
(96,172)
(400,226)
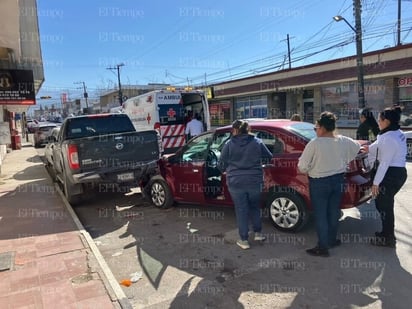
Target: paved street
(205,269)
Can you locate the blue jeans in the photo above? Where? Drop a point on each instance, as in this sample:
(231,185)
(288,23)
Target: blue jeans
(326,195)
(247,207)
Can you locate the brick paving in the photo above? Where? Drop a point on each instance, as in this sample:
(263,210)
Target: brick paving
(51,265)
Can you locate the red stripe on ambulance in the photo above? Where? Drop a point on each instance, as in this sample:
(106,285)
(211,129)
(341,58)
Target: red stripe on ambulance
(173,135)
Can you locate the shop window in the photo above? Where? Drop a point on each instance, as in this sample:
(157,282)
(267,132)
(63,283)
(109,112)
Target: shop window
(251,107)
(220,114)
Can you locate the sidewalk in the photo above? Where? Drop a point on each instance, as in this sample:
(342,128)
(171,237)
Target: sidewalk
(46,261)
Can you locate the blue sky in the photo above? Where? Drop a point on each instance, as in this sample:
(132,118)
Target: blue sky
(199,42)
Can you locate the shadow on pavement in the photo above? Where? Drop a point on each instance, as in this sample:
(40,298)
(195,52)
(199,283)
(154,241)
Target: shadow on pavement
(206,269)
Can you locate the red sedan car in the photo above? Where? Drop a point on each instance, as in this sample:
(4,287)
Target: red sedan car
(191,175)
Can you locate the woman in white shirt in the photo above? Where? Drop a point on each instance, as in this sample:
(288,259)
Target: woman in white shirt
(324,159)
(390,150)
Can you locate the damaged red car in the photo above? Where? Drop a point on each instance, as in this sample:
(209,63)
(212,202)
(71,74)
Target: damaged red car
(191,174)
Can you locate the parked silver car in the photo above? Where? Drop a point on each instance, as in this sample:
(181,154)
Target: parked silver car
(41,133)
(48,149)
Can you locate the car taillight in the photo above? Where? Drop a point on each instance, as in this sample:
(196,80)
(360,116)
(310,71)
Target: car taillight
(73,157)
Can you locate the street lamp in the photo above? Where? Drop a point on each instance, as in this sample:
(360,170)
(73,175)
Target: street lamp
(359,55)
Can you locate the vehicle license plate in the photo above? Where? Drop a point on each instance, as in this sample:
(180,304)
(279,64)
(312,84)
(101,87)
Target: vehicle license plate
(125,177)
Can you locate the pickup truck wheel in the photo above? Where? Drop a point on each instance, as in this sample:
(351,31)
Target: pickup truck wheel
(160,193)
(68,191)
(287,211)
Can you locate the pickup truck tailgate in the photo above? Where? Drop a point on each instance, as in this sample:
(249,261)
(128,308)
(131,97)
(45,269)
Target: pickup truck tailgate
(130,150)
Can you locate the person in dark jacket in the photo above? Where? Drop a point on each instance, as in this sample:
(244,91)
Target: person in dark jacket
(242,157)
(368,128)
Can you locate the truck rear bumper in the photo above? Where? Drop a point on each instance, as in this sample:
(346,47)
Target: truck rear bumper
(115,176)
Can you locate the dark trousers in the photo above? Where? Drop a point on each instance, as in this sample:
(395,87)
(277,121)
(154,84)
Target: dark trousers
(326,195)
(393,181)
(247,208)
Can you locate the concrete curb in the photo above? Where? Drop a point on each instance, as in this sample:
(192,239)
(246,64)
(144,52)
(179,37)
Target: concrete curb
(110,279)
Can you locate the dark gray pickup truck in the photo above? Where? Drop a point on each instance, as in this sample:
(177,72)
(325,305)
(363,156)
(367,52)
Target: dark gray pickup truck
(100,149)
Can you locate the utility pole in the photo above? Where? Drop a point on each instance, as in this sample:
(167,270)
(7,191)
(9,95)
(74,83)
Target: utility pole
(288,42)
(399,23)
(359,53)
(85,95)
(118,81)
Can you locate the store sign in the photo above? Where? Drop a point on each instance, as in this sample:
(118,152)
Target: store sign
(405,82)
(17,87)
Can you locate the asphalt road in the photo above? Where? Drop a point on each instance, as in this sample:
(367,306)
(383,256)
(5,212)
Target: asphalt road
(201,266)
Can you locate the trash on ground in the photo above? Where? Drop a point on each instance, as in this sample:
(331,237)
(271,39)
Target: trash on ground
(126,282)
(122,208)
(190,229)
(136,276)
(133,191)
(117,253)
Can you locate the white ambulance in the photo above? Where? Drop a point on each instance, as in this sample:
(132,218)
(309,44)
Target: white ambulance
(167,111)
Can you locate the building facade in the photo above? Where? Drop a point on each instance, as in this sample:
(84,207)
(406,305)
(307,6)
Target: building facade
(311,89)
(21,66)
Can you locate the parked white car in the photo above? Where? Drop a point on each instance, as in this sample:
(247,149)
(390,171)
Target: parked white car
(408,135)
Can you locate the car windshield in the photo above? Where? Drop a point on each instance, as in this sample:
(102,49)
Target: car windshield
(197,148)
(304,129)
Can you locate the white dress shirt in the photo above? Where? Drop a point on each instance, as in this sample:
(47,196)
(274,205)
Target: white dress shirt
(194,127)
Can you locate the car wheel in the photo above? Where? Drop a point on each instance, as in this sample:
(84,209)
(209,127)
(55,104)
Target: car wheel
(160,194)
(68,191)
(287,211)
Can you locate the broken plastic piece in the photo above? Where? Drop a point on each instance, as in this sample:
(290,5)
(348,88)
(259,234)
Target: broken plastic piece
(190,229)
(117,253)
(136,276)
(126,282)
(119,208)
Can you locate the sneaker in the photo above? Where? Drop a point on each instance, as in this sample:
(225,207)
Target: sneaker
(317,251)
(244,244)
(260,237)
(337,243)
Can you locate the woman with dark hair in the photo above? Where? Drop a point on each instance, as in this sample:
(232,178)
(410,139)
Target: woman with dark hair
(242,157)
(325,159)
(390,150)
(368,128)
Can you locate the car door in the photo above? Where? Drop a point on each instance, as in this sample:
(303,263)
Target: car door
(187,170)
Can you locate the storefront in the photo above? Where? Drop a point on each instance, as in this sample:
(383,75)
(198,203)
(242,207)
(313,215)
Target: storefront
(220,113)
(330,85)
(342,100)
(405,100)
